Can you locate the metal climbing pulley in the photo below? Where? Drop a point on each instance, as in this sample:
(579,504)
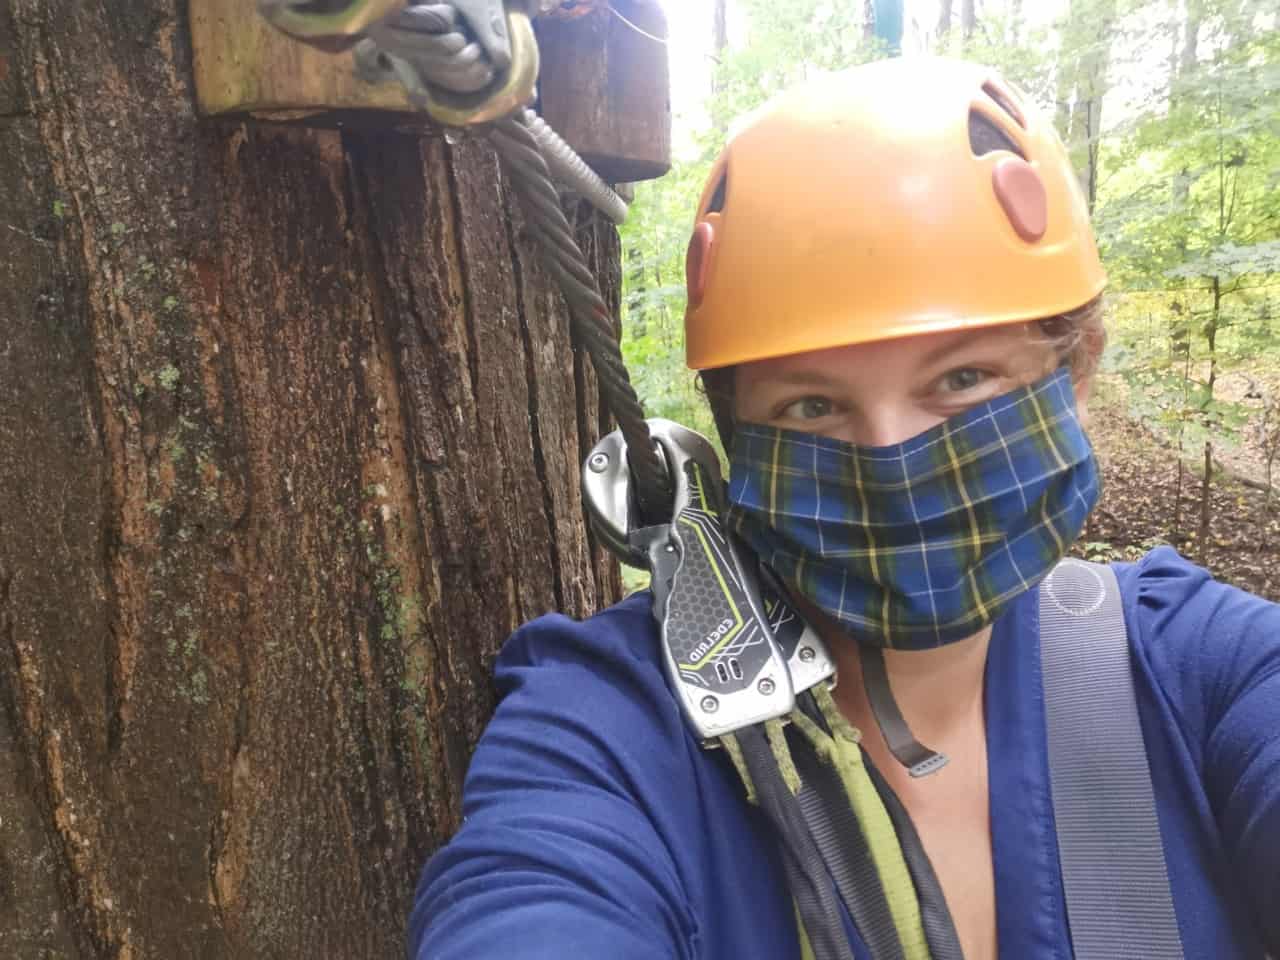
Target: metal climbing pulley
(735,652)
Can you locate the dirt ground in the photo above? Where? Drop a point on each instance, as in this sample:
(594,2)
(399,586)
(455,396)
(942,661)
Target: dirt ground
(1139,506)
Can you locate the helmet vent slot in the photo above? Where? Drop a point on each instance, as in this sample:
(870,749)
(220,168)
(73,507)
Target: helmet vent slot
(985,136)
(1005,101)
(717,197)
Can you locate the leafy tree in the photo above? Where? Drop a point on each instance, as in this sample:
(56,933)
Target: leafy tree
(1189,218)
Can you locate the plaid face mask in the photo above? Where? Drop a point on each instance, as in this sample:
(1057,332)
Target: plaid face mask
(925,542)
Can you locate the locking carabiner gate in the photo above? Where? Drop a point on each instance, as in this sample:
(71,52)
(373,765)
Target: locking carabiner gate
(720,635)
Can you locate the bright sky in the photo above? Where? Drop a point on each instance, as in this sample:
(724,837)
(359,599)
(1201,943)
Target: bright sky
(690,41)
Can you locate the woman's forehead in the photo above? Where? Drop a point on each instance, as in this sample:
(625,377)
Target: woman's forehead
(903,353)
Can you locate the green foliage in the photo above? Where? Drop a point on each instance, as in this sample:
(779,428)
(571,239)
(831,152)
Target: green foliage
(1189,223)
(1104,551)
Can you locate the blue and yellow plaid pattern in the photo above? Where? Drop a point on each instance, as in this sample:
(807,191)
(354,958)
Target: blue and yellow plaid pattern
(924,542)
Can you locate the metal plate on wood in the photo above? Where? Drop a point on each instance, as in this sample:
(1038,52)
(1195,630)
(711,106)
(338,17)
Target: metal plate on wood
(245,65)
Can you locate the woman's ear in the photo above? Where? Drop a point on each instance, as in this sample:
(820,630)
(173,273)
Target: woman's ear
(1093,341)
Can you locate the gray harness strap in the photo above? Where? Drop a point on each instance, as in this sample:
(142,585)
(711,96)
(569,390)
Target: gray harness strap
(1113,867)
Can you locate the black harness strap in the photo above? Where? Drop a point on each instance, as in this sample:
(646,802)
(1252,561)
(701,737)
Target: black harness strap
(807,877)
(843,847)
(939,928)
(919,760)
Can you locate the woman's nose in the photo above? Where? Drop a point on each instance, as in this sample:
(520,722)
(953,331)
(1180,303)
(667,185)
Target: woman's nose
(884,425)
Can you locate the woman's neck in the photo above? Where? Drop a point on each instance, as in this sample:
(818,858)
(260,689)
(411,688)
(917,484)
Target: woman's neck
(939,691)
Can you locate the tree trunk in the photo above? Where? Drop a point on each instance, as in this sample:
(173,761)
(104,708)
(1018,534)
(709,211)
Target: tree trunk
(1206,489)
(289,439)
(1081,87)
(1190,42)
(1211,340)
(719,41)
(968,19)
(1015,24)
(720,26)
(944,23)
(1181,66)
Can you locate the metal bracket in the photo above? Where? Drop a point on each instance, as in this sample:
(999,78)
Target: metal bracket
(497,74)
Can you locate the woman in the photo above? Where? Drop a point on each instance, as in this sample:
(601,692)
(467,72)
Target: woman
(886,263)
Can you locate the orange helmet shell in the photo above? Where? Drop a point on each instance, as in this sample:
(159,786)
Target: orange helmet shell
(853,208)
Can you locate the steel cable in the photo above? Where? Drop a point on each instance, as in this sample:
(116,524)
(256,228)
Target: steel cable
(589,314)
(424,46)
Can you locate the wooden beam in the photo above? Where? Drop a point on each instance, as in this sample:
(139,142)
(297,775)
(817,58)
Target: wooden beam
(245,65)
(605,87)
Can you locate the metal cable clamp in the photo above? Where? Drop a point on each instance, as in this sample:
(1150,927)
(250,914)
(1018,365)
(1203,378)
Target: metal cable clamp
(734,656)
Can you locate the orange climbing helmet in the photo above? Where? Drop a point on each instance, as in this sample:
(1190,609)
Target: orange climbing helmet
(902,197)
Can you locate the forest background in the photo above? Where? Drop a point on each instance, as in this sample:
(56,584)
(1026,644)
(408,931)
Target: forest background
(1171,112)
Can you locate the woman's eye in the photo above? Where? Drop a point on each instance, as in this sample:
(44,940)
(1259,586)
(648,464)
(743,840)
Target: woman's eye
(965,378)
(807,408)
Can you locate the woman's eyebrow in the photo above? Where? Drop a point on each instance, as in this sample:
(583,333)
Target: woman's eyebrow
(801,377)
(967,344)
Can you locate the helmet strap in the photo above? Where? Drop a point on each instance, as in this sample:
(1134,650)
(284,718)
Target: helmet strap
(919,760)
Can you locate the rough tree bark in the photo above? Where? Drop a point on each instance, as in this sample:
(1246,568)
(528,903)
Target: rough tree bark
(289,437)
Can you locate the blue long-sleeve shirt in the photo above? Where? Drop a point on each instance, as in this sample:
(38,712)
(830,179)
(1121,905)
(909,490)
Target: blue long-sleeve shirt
(596,826)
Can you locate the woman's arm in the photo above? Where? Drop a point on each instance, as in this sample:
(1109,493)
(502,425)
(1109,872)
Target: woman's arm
(561,853)
(1219,654)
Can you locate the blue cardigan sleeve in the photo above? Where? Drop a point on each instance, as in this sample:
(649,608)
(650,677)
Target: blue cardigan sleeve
(564,851)
(1217,652)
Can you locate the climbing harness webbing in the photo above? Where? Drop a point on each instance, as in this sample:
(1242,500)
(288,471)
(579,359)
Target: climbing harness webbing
(935,917)
(837,832)
(850,839)
(1113,867)
(848,815)
(806,873)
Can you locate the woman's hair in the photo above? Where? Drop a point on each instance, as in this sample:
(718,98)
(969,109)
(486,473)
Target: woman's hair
(1077,337)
